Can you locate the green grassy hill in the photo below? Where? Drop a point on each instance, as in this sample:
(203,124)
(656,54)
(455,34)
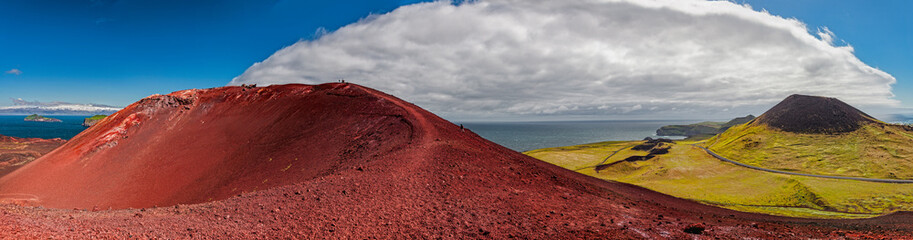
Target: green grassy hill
(873,151)
(689,172)
(819,135)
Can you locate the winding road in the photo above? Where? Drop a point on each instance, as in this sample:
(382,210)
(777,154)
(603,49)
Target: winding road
(803,174)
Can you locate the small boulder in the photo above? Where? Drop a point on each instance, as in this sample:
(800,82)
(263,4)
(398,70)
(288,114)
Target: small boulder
(696,228)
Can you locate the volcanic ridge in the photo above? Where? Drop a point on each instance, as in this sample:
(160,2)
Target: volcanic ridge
(813,114)
(340,161)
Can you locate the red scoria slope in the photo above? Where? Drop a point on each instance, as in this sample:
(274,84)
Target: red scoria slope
(340,161)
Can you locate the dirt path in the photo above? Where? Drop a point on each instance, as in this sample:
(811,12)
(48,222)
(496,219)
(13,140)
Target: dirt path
(606,158)
(717,156)
(613,153)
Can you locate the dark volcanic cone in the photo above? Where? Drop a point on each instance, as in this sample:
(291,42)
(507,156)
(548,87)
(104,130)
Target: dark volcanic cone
(812,114)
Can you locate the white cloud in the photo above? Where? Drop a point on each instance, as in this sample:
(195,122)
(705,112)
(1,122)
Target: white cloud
(826,35)
(503,58)
(14,71)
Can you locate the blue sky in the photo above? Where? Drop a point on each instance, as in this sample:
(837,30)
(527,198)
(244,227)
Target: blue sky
(116,52)
(880,31)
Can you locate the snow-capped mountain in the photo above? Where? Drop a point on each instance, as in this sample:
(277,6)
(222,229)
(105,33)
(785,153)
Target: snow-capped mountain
(22,107)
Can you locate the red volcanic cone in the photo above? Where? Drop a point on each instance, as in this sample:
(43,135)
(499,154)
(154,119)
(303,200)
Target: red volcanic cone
(202,145)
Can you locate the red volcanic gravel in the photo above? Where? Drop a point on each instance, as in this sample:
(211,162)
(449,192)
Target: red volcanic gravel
(363,165)
(16,152)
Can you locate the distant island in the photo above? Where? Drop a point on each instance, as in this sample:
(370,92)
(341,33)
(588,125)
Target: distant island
(91,121)
(39,118)
(701,130)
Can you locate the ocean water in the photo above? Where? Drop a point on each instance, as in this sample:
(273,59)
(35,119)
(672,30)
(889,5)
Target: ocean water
(519,136)
(525,136)
(14,126)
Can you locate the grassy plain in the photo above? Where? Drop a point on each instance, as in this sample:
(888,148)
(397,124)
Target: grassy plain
(690,173)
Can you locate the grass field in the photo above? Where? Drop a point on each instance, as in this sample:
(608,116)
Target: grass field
(688,172)
(873,151)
